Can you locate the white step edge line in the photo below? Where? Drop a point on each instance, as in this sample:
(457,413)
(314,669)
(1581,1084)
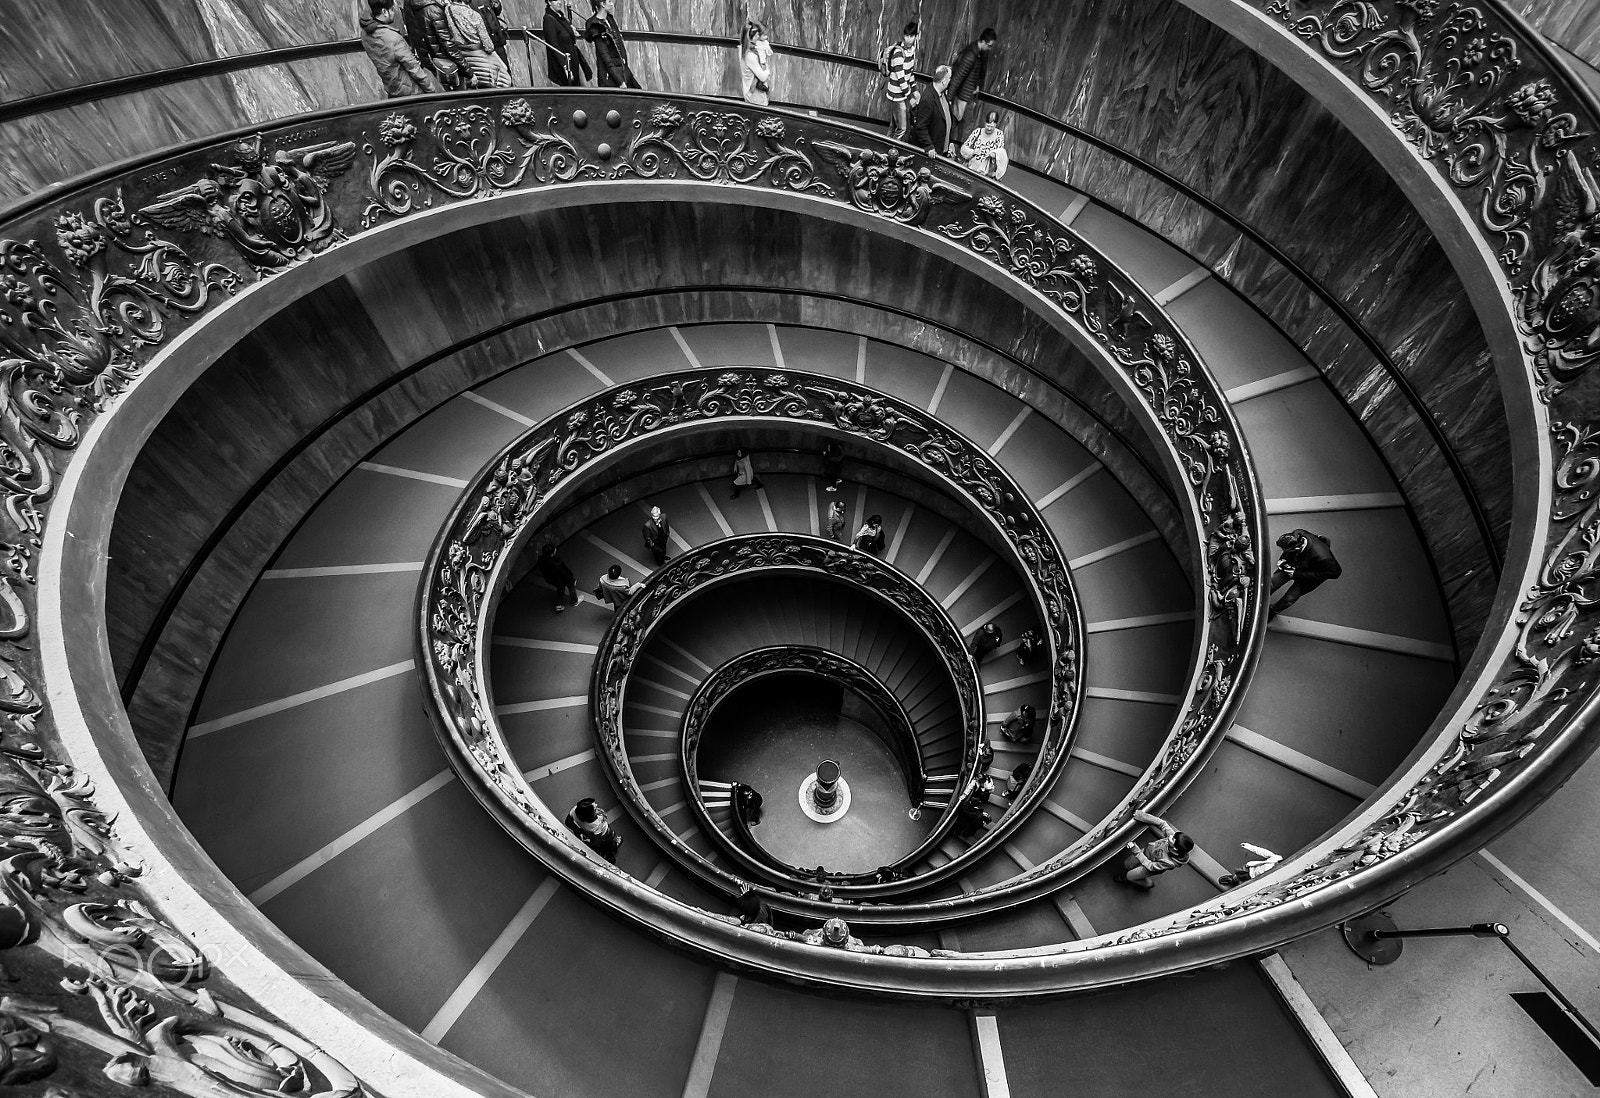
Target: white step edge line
(716,512)
(594,370)
(304,697)
(341,570)
(665,666)
(325,854)
(1363,638)
(938,390)
(1289,378)
(1074,208)
(659,873)
(1011,429)
(656,709)
(1065,816)
(1012,684)
(1542,900)
(652,733)
(1355,501)
(511,709)
(668,757)
(612,551)
(777,348)
(558,766)
(467,990)
(766,510)
(938,553)
(548,645)
(899,538)
(1077,921)
(501,409)
(1300,763)
(992,1061)
(651,787)
(1106,762)
(1112,693)
(994,612)
(683,345)
(1182,286)
(688,655)
(811,507)
(642,681)
(861,360)
(1111,625)
(966,583)
(709,1044)
(1317,1028)
(412,474)
(1068,485)
(1112,550)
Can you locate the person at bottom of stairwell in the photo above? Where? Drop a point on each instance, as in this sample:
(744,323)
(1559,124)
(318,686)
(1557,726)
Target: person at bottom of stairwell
(1304,565)
(593,829)
(615,588)
(559,576)
(985,641)
(832,466)
(869,539)
(836,520)
(656,531)
(1145,863)
(744,473)
(1019,778)
(1018,728)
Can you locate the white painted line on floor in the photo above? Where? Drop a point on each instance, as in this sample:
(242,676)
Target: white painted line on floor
(766,511)
(1074,208)
(1066,817)
(577,356)
(1207,866)
(1296,505)
(461,998)
(559,765)
(1542,900)
(1023,861)
(548,646)
(656,709)
(501,409)
(861,360)
(990,1058)
(683,345)
(1363,638)
(1019,681)
(994,612)
(1300,763)
(652,733)
(1113,694)
(938,553)
(938,390)
(665,666)
(642,681)
(716,512)
(341,570)
(659,873)
(1011,429)
(1072,482)
(651,787)
(966,583)
(1241,393)
(811,507)
(672,533)
(412,474)
(1106,762)
(1112,550)
(899,538)
(301,869)
(1317,1028)
(511,709)
(616,554)
(305,697)
(1113,624)
(777,348)
(676,806)
(688,655)
(668,757)
(1182,286)
(709,1045)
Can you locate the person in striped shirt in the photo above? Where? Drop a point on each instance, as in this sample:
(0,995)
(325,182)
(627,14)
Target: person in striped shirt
(902,79)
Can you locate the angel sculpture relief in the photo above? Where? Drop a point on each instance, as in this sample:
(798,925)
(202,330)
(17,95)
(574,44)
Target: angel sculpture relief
(269,206)
(889,183)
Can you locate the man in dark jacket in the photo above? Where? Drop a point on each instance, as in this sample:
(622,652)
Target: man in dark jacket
(398,66)
(559,576)
(563,59)
(429,36)
(610,51)
(931,117)
(656,531)
(969,72)
(1305,563)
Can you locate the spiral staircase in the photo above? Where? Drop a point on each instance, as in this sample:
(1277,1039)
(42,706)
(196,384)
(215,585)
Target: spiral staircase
(292,724)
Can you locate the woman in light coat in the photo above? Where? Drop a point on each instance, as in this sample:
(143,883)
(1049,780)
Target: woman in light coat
(755,64)
(984,150)
(473,49)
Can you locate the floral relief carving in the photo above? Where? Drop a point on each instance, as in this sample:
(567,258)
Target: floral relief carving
(718,147)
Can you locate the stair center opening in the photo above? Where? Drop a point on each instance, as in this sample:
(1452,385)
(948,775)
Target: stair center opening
(771,734)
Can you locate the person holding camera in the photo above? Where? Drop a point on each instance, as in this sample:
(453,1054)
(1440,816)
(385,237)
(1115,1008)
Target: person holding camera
(755,64)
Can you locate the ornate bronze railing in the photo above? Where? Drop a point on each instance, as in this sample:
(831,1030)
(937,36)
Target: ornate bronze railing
(749,556)
(893,725)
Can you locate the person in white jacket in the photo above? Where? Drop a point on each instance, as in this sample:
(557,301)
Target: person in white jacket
(755,64)
(984,150)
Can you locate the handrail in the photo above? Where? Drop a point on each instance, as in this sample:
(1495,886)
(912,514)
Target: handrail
(145,81)
(709,567)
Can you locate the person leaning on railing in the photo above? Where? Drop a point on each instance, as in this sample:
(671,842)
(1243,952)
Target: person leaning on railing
(470,46)
(563,59)
(969,70)
(1145,863)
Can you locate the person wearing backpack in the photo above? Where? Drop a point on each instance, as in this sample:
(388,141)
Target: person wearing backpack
(898,63)
(471,47)
(968,73)
(493,14)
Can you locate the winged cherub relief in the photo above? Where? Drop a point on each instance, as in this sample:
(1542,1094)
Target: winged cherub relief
(889,183)
(268,205)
